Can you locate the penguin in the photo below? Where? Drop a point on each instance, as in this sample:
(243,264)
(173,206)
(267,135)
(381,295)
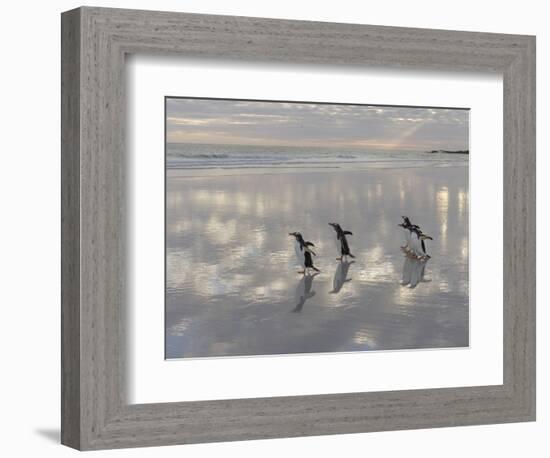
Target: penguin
(304,252)
(414,247)
(342,246)
(406,224)
(424,237)
(407,228)
(417,244)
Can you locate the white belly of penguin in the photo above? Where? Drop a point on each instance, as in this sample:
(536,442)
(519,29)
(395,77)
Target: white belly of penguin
(300,256)
(406,237)
(415,244)
(338,246)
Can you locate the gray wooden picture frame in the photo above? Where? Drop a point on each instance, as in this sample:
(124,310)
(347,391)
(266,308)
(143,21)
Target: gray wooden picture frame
(95,412)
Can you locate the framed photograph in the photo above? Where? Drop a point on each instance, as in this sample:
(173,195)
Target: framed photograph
(279,228)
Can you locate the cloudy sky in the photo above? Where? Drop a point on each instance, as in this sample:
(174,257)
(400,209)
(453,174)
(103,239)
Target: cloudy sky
(310,124)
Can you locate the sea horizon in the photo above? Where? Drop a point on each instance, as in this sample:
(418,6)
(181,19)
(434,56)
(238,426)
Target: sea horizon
(201,156)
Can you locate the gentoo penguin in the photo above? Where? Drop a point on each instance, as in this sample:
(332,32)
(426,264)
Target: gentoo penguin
(407,228)
(304,252)
(342,246)
(423,237)
(417,245)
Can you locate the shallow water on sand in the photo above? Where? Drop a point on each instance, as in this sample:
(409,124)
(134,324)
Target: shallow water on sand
(232,279)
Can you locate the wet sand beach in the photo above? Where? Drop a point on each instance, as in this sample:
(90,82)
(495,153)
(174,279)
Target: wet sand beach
(232,281)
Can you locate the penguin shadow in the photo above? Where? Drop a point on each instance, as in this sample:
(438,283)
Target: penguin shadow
(304,291)
(413,272)
(340,276)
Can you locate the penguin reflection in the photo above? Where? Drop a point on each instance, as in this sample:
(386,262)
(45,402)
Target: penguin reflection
(413,272)
(304,292)
(340,276)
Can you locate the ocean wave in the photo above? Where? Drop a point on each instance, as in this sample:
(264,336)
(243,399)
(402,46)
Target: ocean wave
(174,156)
(198,155)
(214,156)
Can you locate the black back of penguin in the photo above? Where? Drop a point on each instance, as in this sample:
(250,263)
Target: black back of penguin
(341,238)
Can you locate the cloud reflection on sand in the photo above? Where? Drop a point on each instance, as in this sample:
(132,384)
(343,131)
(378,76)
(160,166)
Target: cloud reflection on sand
(232,275)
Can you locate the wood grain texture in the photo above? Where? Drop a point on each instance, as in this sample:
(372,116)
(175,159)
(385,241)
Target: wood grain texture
(70,229)
(95,413)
